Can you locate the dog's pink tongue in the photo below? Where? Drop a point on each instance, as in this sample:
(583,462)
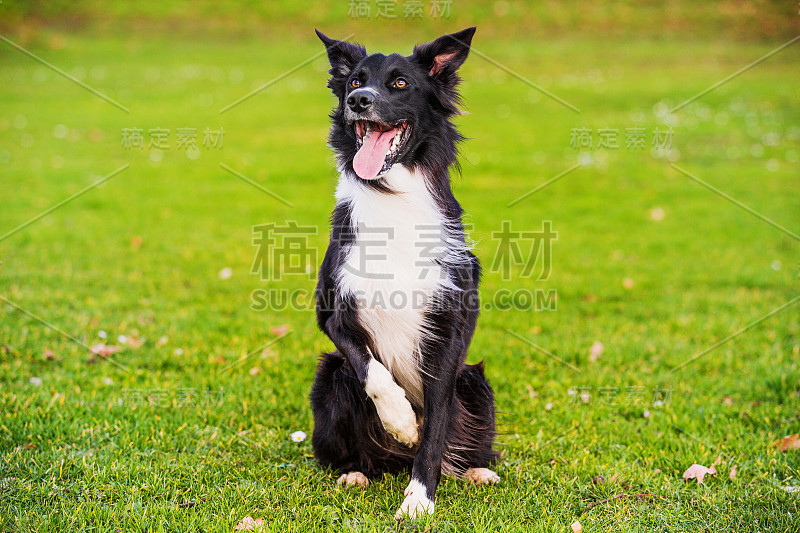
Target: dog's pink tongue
(370,157)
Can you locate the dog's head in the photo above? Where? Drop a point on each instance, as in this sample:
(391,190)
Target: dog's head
(396,109)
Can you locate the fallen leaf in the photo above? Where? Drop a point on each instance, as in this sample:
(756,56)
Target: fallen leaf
(104,351)
(279,330)
(136,242)
(135,342)
(657,214)
(613,478)
(255,370)
(627,283)
(596,351)
(699,472)
(733,472)
(789,442)
(49,355)
(576,527)
(249,524)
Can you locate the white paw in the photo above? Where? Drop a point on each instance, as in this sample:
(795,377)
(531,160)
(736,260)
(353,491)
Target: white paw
(353,478)
(481,476)
(393,407)
(416,503)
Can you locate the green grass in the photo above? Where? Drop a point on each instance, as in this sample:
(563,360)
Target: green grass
(79,452)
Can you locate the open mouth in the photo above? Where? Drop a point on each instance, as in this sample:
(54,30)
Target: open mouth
(378,146)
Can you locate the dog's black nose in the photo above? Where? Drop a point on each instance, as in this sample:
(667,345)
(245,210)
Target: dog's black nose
(360,100)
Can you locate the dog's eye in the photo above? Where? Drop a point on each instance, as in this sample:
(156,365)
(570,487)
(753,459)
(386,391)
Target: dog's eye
(355,84)
(400,83)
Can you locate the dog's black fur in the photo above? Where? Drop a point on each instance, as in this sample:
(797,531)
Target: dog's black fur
(458,415)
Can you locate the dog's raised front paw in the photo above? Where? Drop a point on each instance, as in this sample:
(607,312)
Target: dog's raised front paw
(353,479)
(394,409)
(402,425)
(416,503)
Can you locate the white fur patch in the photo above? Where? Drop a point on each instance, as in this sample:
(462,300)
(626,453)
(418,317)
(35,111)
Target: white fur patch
(394,268)
(481,476)
(416,502)
(390,401)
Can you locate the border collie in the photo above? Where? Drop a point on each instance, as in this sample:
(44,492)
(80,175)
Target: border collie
(397,290)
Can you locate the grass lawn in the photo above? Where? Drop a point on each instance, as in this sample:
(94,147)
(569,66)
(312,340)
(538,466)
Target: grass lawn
(191,430)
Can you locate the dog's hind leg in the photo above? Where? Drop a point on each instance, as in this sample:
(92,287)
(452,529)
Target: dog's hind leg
(348,435)
(471,434)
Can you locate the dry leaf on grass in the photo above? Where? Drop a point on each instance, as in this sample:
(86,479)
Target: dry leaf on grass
(789,442)
(699,472)
(596,351)
(103,350)
(249,524)
(732,475)
(134,342)
(576,527)
(279,330)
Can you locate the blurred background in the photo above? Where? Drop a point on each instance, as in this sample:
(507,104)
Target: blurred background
(156,352)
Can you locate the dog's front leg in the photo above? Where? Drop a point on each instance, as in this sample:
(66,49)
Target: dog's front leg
(439,388)
(394,409)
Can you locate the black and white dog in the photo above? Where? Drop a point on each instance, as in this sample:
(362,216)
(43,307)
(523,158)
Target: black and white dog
(397,290)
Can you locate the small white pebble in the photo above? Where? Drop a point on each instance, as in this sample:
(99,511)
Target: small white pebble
(548,406)
(576,527)
(225,273)
(298,436)
(35,381)
(102,334)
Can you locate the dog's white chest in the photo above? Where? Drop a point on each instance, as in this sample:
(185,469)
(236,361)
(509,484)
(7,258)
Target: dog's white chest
(394,268)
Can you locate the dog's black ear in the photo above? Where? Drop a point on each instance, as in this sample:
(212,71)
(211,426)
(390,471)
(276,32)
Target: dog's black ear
(343,57)
(442,57)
